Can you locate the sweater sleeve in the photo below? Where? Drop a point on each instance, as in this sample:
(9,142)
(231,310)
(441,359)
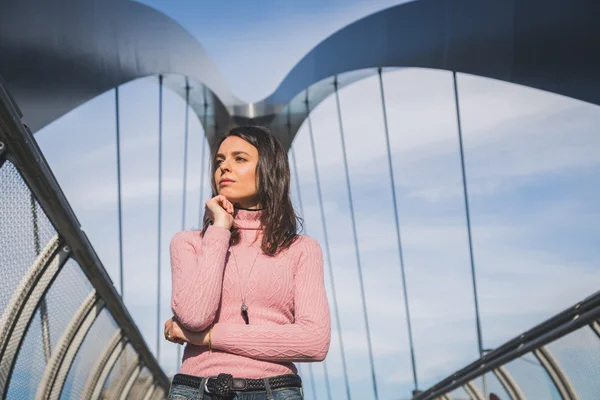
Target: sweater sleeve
(307,339)
(197,265)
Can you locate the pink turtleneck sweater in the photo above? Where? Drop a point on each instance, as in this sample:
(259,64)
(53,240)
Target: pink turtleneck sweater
(286,299)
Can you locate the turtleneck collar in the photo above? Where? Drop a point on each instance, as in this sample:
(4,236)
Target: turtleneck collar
(247,219)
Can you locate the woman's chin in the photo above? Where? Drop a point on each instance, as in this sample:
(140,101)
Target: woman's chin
(231,196)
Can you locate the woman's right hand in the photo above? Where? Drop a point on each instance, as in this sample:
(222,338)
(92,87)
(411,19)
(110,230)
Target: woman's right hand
(220,211)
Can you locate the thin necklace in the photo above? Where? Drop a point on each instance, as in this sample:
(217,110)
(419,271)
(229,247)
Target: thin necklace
(244,307)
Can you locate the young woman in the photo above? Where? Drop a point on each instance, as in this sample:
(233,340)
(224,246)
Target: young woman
(248,294)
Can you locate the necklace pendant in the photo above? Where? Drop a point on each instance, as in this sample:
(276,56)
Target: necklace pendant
(245,313)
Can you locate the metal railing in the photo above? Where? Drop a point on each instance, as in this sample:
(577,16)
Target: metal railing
(64,329)
(537,347)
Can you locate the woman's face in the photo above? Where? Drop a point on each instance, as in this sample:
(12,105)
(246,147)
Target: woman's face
(235,174)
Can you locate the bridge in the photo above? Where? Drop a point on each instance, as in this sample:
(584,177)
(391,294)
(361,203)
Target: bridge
(444,153)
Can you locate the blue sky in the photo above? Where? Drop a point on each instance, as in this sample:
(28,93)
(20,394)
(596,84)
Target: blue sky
(256,43)
(532,169)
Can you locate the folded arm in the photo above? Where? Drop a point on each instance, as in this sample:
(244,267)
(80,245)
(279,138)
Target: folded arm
(197,265)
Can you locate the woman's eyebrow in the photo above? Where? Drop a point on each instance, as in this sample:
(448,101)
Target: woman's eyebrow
(235,153)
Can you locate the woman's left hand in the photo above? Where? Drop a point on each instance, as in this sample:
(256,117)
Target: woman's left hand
(176,333)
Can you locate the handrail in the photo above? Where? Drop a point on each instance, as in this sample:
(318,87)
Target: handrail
(567,321)
(24,153)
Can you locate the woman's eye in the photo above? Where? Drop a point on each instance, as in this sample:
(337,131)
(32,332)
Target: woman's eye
(240,159)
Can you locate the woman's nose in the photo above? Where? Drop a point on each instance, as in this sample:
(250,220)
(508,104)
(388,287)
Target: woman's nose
(225,165)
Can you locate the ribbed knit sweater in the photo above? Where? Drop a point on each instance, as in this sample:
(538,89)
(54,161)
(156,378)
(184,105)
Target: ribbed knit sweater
(285,294)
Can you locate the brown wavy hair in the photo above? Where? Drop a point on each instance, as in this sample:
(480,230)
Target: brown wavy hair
(278,220)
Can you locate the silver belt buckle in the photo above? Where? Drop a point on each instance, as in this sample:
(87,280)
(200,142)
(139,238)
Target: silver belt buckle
(206,386)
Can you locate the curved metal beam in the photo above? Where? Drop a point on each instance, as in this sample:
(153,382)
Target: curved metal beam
(128,381)
(595,326)
(118,388)
(57,369)
(70,51)
(150,392)
(509,384)
(145,387)
(23,305)
(95,382)
(499,40)
(555,50)
(159,393)
(472,391)
(555,372)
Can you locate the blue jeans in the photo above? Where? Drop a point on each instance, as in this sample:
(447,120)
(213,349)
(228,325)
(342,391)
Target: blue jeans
(183,392)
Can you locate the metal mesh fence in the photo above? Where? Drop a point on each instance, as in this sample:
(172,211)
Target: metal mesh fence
(532,378)
(159,394)
(149,393)
(578,354)
(64,297)
(38,300)
(30,363)
(24,230)
(117,373)
(138,390)
(92,348)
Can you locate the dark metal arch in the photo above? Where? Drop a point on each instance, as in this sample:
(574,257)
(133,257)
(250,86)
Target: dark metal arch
(551,45)
(70,51)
